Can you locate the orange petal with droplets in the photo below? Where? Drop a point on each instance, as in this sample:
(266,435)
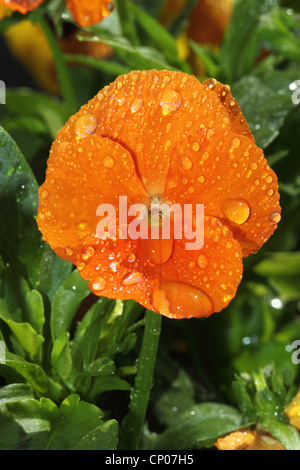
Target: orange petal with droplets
(196,283)
(86,173)
(238,122)
(89,12)
(230,176)
(149,113)
(23,6)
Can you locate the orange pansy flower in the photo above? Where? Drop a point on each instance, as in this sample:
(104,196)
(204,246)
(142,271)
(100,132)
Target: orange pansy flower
(85,12)
(248,440)
(160,136)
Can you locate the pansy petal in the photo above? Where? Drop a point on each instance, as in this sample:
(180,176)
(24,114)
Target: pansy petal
(81,176)
(115,271)
(89,12)
(196,283)
(23,6)
(230,176)
(148,113)
(238,122)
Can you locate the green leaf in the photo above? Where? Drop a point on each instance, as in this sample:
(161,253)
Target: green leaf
(62,360)
(20,240)
(100,314)
(49,110)
(200,424)
(239,48)
(144,58)
(65,303)
(265,102)
(278,32)
(33,374)
(178,398)
(41,425)
(286,434)
(283,272)
(159,35)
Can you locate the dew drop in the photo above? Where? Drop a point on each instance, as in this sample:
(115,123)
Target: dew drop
(87,252)
(99,284)
(195,146)
(131,258)
(44,194)
(114,266)
(83,229)
(205,156)
(170,102)
(108,161)
(235,143)
(236,210)
(85,125)
(133,278)
(186,163)
(62,146)
(275,217)
(180,300)
(136,105)
(202,261)
(253,166)
(269,179)
(69,251)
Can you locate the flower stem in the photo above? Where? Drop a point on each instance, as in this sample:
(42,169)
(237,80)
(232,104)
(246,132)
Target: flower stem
(133,423)
(62,70)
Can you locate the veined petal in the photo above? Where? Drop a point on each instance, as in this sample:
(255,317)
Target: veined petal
(231,177)
(196,283)
(149,113)
(83,175)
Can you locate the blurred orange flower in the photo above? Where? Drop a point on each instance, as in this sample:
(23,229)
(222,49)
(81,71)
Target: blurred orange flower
(85,12)
(160,136)
(248,440)
(293,411)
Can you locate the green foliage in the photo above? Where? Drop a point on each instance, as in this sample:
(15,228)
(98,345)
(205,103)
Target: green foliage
(68,354)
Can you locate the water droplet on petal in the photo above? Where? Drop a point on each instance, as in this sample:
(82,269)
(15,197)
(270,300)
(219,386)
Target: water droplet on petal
(87,252)
(236,210)
(133,278)
(157,251)
(44,194)
(170,102)
(275,217)
(202,261)
(85,125)
(83,229)
(108,161)
(269,179)
(136,105)
(114,266)
(185,163)
(131,258)
(69,251)
(62,146)
(235,143)
(181,300)
(99,284)
(195,146)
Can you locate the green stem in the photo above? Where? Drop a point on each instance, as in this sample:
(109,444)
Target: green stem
(62,70)
(100,64)
(127,22)
(133,423)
